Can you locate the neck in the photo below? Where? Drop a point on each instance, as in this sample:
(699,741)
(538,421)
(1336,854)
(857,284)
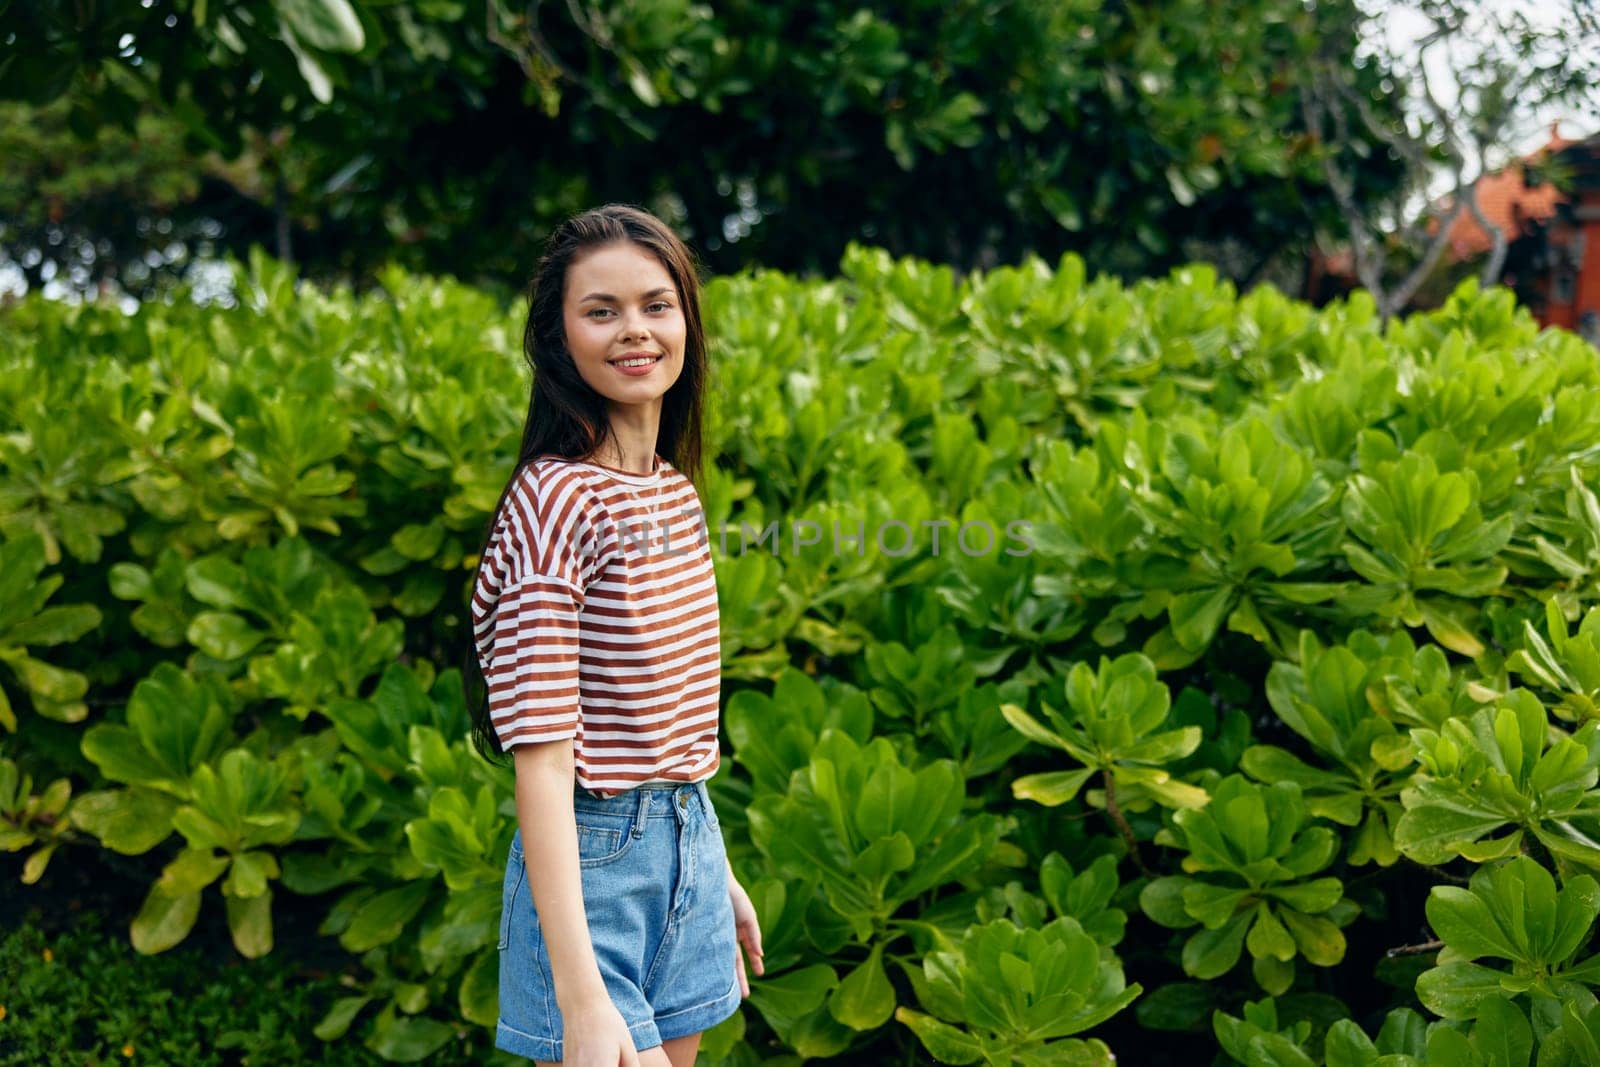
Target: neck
(637,462)
(631,444)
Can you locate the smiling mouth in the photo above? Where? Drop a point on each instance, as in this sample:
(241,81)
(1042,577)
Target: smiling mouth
(635,361)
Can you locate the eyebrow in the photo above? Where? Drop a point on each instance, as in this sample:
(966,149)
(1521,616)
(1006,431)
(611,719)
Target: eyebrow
(608,296)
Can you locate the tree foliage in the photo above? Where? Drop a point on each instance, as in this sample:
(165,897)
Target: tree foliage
(1501,64)
(449,137)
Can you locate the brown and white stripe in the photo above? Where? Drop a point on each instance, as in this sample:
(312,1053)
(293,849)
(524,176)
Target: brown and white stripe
(595,616)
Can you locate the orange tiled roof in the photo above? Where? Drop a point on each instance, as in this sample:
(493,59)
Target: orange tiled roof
(1507,202)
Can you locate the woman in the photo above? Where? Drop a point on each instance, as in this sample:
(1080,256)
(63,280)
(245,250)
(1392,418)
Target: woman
(595,626)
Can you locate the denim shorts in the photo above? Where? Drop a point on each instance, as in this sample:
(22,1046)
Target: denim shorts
(655,893)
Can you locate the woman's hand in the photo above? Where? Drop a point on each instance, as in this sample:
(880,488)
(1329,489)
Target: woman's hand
(748,929)
(596,1035)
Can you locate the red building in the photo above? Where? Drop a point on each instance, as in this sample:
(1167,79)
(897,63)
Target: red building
(1557,268)
(1514,203)
(1553,250)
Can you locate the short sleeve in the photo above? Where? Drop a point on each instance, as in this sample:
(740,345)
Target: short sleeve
(535,640)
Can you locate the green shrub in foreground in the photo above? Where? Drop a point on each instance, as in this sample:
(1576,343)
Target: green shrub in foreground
(1366,560)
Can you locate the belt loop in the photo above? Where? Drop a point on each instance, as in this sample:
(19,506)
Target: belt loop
(641,810)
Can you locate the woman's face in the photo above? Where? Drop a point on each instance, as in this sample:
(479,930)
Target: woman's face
(620,301)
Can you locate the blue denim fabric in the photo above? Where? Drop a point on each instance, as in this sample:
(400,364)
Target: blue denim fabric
(655,893)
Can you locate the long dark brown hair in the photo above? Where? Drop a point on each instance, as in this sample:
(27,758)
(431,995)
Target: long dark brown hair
(566,417)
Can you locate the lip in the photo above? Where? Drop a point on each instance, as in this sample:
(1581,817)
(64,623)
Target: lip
(640,371)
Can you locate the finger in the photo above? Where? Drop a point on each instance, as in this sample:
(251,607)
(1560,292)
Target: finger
(757,964)
(738,967)
(751,935)
(751,939)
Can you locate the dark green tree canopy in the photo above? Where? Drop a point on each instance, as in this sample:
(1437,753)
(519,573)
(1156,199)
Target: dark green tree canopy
(449,136)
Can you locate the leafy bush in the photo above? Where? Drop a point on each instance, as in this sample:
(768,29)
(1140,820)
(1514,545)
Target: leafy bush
(1293,656)
(1255,842)
(82,994)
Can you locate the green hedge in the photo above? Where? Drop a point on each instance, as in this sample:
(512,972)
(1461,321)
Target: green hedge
(1299,676)
(80,995)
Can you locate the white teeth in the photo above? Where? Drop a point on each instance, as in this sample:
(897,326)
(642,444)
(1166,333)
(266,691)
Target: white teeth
(635,362)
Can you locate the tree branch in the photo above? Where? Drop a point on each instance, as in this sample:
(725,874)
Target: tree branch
(1314,104)
(1415,950)
(1120,821)
(1497,250)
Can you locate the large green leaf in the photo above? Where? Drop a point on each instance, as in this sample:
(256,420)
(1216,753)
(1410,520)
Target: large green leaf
(864,999)
(381,919)
(130,821)
(163,920)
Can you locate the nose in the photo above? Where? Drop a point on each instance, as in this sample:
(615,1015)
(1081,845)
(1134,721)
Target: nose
(634,327)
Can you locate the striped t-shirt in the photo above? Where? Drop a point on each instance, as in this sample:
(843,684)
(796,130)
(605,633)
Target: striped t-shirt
(595,615)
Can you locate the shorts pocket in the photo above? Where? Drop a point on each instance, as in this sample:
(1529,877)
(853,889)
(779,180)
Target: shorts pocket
(602,836)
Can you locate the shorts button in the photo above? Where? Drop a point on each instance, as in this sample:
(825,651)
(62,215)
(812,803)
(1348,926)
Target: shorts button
(683,801)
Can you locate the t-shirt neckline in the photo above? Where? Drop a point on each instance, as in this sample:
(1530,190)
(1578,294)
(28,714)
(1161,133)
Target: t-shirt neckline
(629,476)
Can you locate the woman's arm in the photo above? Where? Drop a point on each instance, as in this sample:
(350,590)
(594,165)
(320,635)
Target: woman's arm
(594,1032)
(550,848)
